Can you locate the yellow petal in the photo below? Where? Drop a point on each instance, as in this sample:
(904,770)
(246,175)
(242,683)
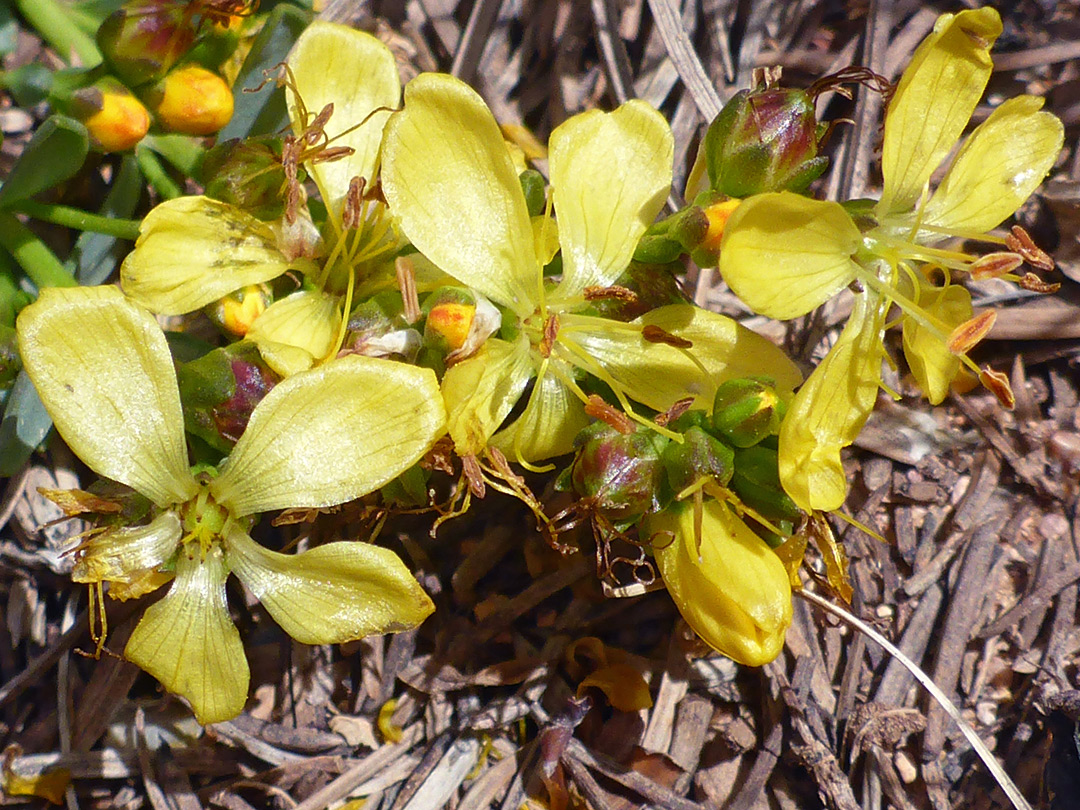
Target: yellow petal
(610,175)
(1000,164)
(194,250)
(547,427)
(623,685)
(932,364)
(480,392)
(104,372)
(189,643)
(447,176)
(658,375)
(307,320)
(736,594)
(352,70)
(333,593)
(933,103)
(830,409)
(326,436)
(123,554)
(784,254)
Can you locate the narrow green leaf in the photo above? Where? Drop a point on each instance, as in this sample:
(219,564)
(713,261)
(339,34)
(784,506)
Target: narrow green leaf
(24,426)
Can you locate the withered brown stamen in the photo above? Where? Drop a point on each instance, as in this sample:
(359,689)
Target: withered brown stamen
(674,412)
(1033,283)
(551,331)
(613,417)
(654,334)
(614,292)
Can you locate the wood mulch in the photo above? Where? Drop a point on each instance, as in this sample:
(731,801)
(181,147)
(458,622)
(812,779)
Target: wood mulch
(977,580)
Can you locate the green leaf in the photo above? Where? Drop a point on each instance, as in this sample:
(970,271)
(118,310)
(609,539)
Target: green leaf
(24,426)
(54,154)
(263,112)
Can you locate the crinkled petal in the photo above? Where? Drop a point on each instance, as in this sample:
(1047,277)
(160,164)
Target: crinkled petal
(449,179)
(932,364)
(192,251)
(732,590)
(189,643)
(333,593)
(352,70)
(481,391)
(297,331)
(122,554)
(332,434)
(1000,164)
(784,254)
(657,374)
(933,103)
(830,409)
(103,369)
(610,175)
(547,427)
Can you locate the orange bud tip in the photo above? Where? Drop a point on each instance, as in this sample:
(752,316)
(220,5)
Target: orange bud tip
(452,322)
(995,265)
(966,335)
(718,214)
(998,384)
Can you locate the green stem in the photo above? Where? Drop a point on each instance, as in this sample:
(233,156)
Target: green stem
(55,25)
(40,263)
(10,293)
(80,220)
(155,173)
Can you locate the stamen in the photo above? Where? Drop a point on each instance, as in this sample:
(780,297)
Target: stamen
(964,337)
(1020,241)
(352,212)
(406,279)
(995,265)
(612,417)
(674,412)
(551,332)
(474,477)
(614,292)
(654,334)
(998,384)
(1031,282)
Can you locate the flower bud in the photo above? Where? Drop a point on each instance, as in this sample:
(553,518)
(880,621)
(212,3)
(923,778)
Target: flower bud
(668,239)
(113,117)
(699,456)
(459,320)
(728,585)
(247,173)
(221,389)
(622,473)
(377,328)
(145,38)
(757,483)
(764,139)
(747,410)
(192,101)
(237,311)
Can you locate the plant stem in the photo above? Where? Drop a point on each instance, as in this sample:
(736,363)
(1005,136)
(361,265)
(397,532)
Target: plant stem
(55,25)
(39,263)
(80,220)
(155,173)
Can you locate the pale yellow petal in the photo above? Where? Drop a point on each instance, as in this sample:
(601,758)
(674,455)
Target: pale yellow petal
(333,593)
(731,589)
(121,554)
(932,364)
(610,175)
(189,643)
(332,434)
(658,374)
(547,427)
(1000,164)
(830,409)
(933,103)
(307,320)
(449,180)
(480,392)
(103,369)
(784,254)
(352,70)
(192,251)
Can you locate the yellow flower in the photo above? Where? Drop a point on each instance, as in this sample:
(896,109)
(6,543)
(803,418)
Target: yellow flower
(784,254)
(193,251)
(726,581)
(193,101)
(114,118)
(103,369)
(450,182)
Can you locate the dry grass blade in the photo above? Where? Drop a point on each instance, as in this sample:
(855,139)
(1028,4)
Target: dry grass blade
(685,59)
(1004,782)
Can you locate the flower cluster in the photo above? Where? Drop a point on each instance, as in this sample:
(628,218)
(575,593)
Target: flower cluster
(392,273)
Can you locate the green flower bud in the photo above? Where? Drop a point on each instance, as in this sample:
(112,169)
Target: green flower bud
(764,139)
(621,473)
(699,456)
(668,239)
(248,174)
(747,410)
(221,389)
(757,483)
(145,38)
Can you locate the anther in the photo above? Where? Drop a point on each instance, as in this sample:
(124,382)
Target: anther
(654,334)
(995,265)
(598,409)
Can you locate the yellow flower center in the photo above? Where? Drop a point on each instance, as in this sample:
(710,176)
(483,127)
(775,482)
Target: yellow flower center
(204,520)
